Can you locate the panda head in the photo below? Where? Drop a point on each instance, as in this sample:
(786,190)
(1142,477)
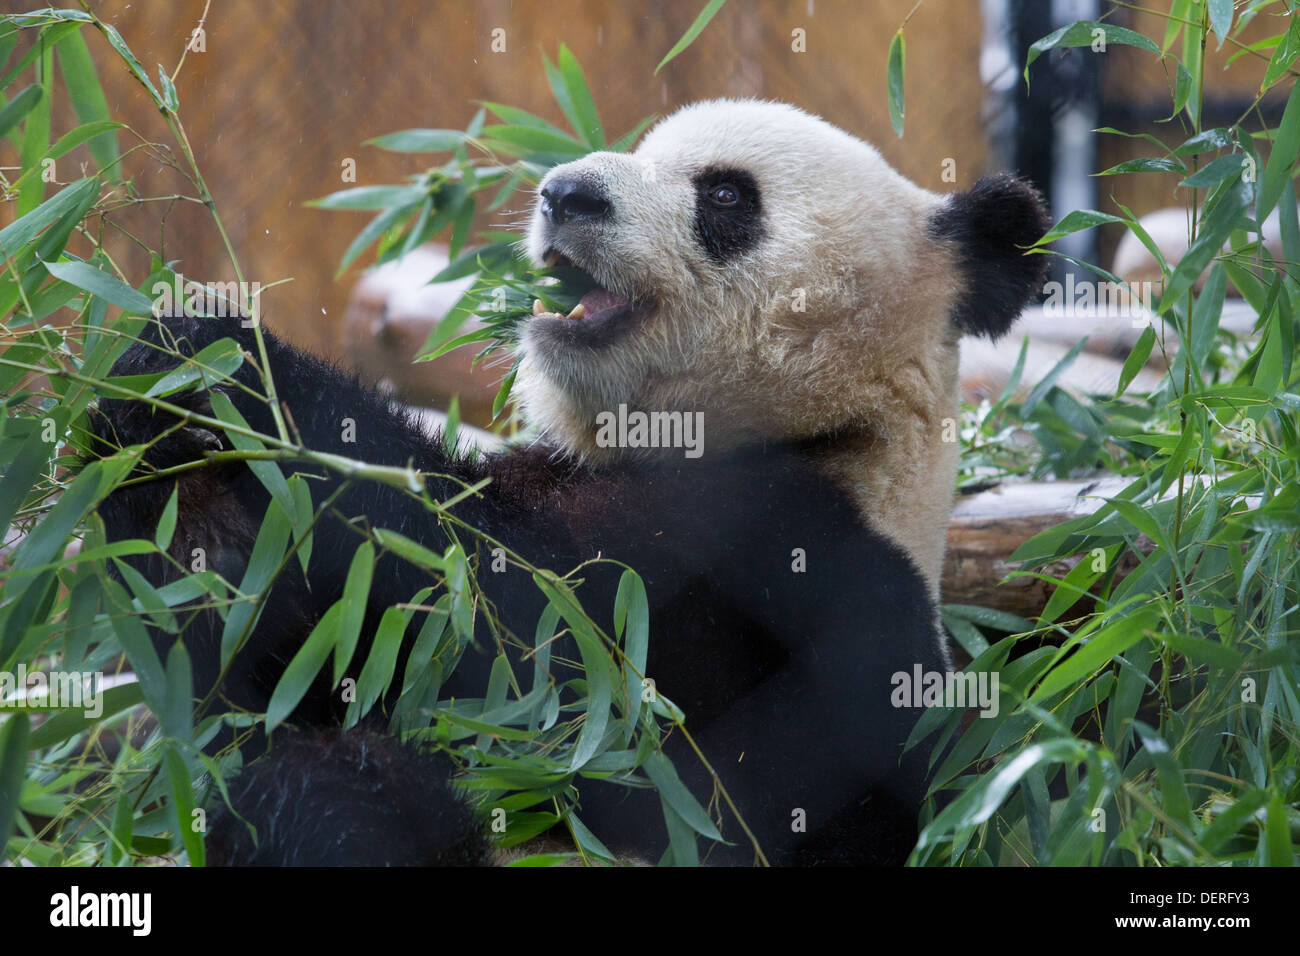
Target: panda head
(758,264)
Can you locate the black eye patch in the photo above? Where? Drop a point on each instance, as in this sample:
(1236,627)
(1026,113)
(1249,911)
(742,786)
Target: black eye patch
(728,212)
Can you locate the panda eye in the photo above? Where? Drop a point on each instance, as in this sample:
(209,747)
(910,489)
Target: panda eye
(724,195)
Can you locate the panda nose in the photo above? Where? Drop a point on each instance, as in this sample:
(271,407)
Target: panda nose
(565,200)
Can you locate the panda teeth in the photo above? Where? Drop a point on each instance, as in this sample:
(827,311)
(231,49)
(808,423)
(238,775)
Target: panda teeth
(578,313)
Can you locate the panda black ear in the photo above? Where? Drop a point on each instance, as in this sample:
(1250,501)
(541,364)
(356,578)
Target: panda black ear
(989,224)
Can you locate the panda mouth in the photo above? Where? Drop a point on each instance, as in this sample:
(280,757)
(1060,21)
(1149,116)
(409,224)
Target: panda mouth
(598,305)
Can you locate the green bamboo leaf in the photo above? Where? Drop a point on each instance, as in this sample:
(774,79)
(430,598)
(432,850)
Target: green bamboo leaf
(1283,57)
(49,537)
(177,718)
(417,554)
(1183,89)
(182,792)
(370,197)
(894,81)
(682,848)
(267,472)
(48,37)
(1112,639)
(374,229)
(1146,164)
(491,256)
(624,142)
(982,800)
(1282,158)
(1223,168)
(136,643)
(268,549)
(170,100)
(119,843)
(595,663)
(301,518)
(1180,11)
(356,596)
(587,119)
(109,288)
(632,611)
(381,665)
(1206,142)
(536,140)
(1086,33)
(1178,456)
(1137,358)
(1217,225)
(21,474)
(1277,834)
(419,140)
(117,43)
(303,668)
(662,773)
(13,764)
(69,723)
(166,523)
(1070,589)
(513,116)
(1175,802)
(61,213)
(1200,650)
(1076,221)
(988,617)
(214,364)
(1048,381)
(694,30)
(1221,18)
(19,106)
(503,393)
(87,96)
(1229,822)
(36,137)
(81,134)
(588,840)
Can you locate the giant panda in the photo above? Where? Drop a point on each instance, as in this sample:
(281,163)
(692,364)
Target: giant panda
(754,266)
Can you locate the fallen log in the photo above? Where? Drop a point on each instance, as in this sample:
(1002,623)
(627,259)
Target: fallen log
(989,526)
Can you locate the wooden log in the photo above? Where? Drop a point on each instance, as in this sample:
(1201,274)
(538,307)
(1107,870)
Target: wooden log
(988,527)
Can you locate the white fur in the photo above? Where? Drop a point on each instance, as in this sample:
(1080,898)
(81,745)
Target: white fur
(872,355)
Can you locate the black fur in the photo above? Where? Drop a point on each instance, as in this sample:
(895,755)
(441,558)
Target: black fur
(726,232)
(990,225)
(389,805)
(789,670)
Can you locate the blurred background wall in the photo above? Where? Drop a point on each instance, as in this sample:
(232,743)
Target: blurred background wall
(283,93)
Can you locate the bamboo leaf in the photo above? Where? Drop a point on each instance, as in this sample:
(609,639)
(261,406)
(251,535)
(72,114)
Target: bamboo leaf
(109,288)
(1086,33)
(87,96)
(304,667)
(694,30)
(18,107)
(894,81)
(13,764)
(419,141)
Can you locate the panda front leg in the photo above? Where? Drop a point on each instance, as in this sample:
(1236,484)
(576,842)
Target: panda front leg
(222,504)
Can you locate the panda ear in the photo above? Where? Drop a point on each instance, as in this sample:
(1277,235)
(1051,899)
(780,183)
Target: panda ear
(989,225)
